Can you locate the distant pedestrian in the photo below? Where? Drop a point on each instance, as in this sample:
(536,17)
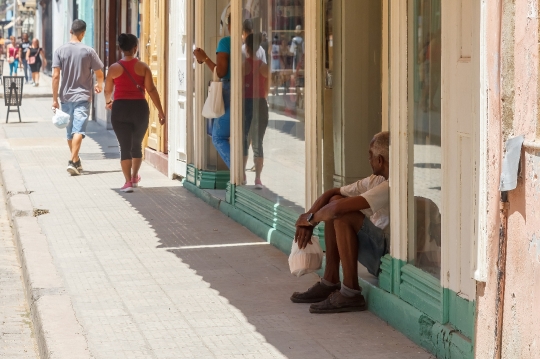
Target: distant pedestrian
(76,61)
(130,78)
(35,57)
(23,49)
(13,56)
(2,47)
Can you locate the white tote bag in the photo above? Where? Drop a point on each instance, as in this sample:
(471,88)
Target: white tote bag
(214,107)
(307,260)
(60,119)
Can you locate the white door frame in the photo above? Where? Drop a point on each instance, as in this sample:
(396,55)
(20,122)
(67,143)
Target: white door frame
(178,94)
(451,263)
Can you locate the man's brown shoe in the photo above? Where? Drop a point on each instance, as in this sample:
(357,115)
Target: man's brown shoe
(318,292)
(338,303)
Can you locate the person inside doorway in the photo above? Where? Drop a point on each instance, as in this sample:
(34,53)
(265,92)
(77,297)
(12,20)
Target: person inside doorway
(76,61)
(247,29)
(357,226)
(35,57)
(13,56)
(255,106)
(264,44)
(129,78)
(2,48)
(23,50)
(221,130)
(297,47)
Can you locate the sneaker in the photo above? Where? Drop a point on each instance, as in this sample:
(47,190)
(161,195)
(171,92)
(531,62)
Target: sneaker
(72,169)
(78,164)
(127,188)
(338,303)
(258,184)
(318,292)
(135,181)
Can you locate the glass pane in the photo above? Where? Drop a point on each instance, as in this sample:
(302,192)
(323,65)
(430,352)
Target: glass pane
(273,100)
(213,33)
(425,136)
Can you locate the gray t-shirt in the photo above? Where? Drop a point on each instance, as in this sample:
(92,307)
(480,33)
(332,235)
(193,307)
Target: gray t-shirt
(76,62)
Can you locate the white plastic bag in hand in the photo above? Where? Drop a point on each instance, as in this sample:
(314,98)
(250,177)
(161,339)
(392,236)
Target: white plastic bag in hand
(60,119)
(307,260)
(214,107)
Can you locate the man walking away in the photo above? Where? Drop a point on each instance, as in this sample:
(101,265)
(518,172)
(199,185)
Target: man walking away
(24,46)
(76,61)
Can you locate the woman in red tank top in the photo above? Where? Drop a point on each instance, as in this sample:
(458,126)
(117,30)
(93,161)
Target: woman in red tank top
(130,79)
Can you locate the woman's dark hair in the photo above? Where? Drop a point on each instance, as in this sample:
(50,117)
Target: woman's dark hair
(127,42)
(253,41)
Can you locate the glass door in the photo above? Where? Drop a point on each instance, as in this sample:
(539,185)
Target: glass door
(273,100)
(213,32)
(425,152)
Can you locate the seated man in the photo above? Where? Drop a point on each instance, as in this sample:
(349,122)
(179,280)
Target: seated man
(357,222)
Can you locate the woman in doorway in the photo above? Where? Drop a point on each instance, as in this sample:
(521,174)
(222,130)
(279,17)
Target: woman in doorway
(34,57)
(130,78)
(13,56)
(221,131)
(255,105)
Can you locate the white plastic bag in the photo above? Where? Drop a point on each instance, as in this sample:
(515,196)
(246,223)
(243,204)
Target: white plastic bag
(307,260)
(60,119)
(214,107)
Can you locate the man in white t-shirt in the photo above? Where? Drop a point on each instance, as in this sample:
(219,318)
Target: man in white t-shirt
(357,223)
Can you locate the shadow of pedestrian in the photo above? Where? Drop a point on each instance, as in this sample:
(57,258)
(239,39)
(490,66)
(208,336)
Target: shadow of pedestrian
(254,277)
(88,173)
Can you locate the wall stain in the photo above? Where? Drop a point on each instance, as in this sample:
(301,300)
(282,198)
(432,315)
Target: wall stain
(535,241)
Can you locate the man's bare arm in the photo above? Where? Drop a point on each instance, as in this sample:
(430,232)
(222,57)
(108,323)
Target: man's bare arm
(322,201)
(304,229)
(339,208)
(55,84)
(99,77)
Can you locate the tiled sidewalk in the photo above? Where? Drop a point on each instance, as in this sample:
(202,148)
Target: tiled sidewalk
(16,335)
(160,274)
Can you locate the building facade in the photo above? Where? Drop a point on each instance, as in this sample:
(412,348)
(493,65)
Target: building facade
(341,72)
(452,81)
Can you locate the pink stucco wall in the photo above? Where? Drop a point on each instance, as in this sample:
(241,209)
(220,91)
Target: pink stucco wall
(513,110)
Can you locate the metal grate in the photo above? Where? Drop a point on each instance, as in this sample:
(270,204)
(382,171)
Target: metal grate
(13,88)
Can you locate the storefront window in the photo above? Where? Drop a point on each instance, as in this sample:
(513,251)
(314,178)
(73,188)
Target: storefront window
(425,167)
(213,32)
(273,100)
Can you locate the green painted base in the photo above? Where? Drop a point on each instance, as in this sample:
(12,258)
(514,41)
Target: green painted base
(407,298)
(207,179)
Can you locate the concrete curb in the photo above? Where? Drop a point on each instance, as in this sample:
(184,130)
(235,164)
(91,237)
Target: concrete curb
(58,333)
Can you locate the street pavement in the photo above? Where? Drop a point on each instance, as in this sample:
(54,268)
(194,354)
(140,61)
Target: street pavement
(16,331)
(158,273)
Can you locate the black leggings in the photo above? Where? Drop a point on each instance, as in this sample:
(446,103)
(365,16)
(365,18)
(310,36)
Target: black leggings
(129,120)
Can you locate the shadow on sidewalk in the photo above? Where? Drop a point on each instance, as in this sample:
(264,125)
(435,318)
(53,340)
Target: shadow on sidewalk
(254,277)
(87,173)
(107,142)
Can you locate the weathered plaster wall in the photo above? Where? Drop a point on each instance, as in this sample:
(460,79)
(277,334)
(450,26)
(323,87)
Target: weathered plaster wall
(513,110)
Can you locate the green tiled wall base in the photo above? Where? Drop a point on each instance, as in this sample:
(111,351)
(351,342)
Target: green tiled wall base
(444,341)
(207,179)
(191,174)
(276,238)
